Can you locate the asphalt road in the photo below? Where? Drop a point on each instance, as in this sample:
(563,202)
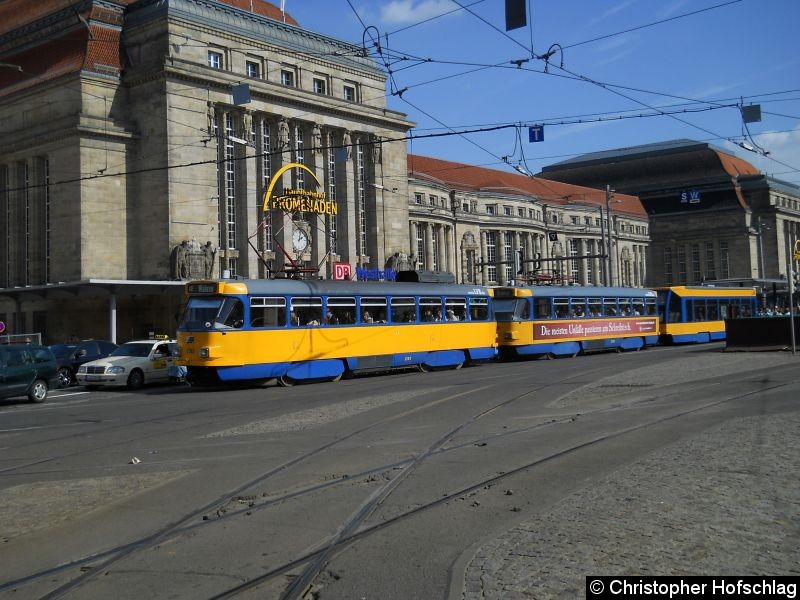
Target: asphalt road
(411,485)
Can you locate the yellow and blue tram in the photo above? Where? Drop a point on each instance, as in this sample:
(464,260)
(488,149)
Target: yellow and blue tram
(296,330)
(696,314)
(564,321)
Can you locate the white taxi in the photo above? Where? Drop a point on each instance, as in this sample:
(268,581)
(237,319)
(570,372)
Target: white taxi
(133,365)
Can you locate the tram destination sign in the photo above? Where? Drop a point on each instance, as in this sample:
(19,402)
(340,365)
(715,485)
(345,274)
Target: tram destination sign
(593,329)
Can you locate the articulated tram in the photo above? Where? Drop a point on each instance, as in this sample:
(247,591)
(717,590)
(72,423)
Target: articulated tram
(565,321)
(301,330)
(696,314)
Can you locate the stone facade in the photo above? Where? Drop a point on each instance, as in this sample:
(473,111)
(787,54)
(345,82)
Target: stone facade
(472,221)
(713,216)
(118,156)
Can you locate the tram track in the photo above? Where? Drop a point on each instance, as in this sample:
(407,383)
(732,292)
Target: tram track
(354,528)
(112,557)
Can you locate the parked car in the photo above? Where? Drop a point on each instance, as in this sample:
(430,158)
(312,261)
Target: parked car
(27,369)
(72,355)
(133,364)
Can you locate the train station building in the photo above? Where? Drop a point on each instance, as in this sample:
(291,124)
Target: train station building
(713,216)
(149,142)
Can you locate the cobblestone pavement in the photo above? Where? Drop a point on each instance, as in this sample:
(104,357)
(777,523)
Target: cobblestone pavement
(724,503)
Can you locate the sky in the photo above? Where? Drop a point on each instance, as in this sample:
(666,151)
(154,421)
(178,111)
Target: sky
(619,74)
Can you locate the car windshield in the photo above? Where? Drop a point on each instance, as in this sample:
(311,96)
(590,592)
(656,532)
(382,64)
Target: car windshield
(62,350)
(133,349)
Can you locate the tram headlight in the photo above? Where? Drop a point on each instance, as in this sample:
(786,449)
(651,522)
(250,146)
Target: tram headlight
(204,353)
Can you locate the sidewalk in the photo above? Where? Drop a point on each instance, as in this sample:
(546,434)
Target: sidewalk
(724,503)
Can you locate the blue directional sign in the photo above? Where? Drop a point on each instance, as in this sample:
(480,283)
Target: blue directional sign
(536,133)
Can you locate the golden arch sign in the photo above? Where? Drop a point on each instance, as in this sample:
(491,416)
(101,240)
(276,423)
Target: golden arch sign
(295,200)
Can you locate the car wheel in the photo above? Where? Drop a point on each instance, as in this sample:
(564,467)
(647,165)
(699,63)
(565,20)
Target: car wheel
(65,378)
(135,380)
(38,391)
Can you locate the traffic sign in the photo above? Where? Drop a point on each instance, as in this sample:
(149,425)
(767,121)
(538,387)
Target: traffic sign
(536,133)
(2,327)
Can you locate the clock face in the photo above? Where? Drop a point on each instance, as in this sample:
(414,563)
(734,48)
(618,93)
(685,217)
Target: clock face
(299,240)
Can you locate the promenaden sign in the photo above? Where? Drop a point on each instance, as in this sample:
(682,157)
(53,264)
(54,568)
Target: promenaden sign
(296,200)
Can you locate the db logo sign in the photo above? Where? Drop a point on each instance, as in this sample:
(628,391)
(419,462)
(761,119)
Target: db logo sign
(342,271)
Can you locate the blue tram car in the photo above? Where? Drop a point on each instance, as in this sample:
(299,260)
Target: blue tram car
(565,321)
(302,330)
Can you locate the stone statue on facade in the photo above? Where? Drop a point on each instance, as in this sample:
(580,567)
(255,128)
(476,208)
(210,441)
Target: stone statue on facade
(347,143)
(209,254)
(376,150)
(180,256)
(211,118)
(247,125)
(283,134)
(393,261)
(316,139)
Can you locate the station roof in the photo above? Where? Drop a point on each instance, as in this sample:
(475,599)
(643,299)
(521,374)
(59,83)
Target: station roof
(468,178)
(733,165)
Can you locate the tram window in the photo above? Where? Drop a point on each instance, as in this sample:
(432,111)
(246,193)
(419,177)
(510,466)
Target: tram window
(341,311)
(674,313)
(610,307)
(650,307)
(595,307)
(232,313)
(637,306)
(430,309)
(561,306)
(523,309)
(713,310)
(737,309)
(200,312)
(307,311)
(373,310)
(479,309)
(625,309)
(543,309)
(404,310)
(578,307)
(455,309)
(699,310)
(267,312)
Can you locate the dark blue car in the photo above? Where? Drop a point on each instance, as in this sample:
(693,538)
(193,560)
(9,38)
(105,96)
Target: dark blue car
(72,355)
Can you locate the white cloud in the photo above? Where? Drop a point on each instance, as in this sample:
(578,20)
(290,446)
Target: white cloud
(405,12)
(610,12)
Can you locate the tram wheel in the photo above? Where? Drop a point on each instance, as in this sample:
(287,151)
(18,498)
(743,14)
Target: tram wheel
(286,381)
(424,368)
(335,377)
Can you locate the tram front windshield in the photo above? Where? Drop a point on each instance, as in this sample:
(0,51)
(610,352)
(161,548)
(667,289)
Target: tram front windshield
(511,309)
(211,312)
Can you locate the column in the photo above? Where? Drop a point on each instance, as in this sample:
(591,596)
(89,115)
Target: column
(484,269)
(428,262)
(582,271)
(412,241)
(318,229)
(347,192)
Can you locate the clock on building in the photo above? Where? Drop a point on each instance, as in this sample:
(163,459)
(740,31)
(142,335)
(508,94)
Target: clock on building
(300,240)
